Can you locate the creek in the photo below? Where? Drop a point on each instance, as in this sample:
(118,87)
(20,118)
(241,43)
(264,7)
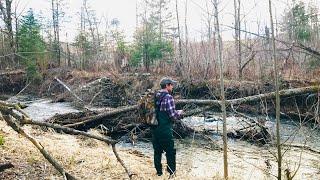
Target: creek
(202,159)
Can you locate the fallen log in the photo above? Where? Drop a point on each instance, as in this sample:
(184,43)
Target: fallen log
(212,103)
(266,96)
(88,119)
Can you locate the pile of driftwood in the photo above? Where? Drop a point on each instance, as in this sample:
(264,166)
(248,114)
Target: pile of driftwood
(105,91)
(100,92)
(126,122)
(130,120)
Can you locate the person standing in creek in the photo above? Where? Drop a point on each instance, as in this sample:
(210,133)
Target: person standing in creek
(162,134)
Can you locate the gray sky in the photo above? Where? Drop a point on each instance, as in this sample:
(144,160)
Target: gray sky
(254,11)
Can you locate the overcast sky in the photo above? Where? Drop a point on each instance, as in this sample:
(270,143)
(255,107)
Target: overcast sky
(254,11)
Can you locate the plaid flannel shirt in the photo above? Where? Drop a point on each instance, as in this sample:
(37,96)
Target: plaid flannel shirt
(167,104)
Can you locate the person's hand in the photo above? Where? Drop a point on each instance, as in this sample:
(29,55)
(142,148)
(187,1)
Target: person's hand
(180,112)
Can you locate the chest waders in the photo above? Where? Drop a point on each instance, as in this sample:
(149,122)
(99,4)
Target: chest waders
(162,138)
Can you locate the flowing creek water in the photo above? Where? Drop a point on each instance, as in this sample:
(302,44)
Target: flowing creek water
(199,158)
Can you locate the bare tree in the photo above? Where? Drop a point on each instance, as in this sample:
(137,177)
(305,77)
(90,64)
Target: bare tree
(56,31)
(276,75)
(180,61)
(210,41)
(186,58)
(237,38)
(223,101)
(6,12)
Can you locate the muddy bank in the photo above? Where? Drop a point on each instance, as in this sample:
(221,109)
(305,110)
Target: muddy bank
(12,81)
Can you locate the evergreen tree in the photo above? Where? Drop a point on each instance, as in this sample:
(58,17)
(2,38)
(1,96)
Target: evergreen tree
(153,40)
(31,44)
(148,48)
(84,46)
(296,23)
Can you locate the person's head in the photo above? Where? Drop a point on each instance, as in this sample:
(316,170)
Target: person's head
(167,83)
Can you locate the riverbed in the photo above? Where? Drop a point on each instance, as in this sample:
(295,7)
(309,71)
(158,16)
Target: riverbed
(202,159)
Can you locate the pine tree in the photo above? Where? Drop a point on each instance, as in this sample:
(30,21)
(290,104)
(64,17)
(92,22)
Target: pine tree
(153,40)
(296,23)
(31,44)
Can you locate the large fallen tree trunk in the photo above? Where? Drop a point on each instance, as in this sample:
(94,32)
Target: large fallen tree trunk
(85,120)
(212,103)
(266,96)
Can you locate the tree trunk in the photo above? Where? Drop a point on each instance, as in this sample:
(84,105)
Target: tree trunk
(186,57)
(7,18)
(266,96)
(56,44)
(237,37)
(180,61)
(222,97)
(277,94)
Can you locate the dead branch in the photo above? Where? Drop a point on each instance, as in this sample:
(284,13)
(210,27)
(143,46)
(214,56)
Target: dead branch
(9,73)
(45,154)
(121,161)
(249,59)
(76,132)
(68,89)
(302,146)
(88,119)
(68,130)
(212,103)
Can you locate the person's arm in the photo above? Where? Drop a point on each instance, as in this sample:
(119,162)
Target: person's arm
(171,108)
